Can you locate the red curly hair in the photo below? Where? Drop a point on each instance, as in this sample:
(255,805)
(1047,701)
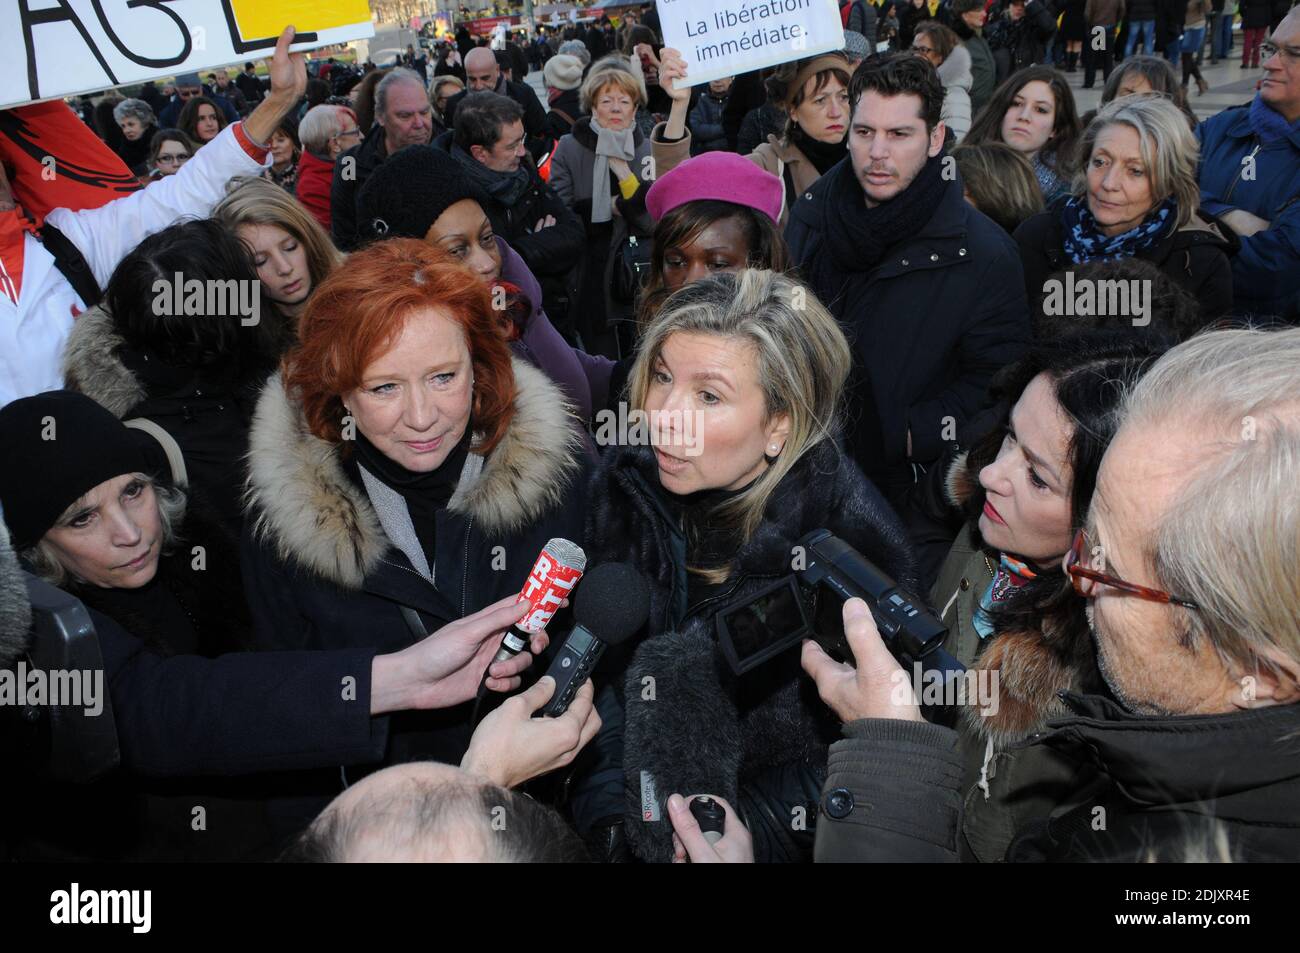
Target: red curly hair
(358,313)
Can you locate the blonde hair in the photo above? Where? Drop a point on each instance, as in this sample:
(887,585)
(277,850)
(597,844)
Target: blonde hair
(1001,182)
(801,356)
(1230,539)
(1170,153)
(44,561)
(614,71)
(252,201)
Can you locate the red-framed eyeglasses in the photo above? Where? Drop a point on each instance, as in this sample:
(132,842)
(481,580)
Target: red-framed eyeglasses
(1086,579)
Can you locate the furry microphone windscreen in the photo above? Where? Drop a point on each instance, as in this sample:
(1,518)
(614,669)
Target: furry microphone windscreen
(15,609)
(682,736)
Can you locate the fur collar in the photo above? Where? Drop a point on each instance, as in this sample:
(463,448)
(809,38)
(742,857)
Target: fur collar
(307,507)
(91,364)
(15,609)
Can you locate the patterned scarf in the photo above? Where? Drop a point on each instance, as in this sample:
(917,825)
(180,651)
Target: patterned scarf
(1011,575)
(1084,241)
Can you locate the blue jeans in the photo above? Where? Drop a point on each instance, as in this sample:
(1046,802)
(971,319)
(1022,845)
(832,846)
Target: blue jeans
(1147,30)
(1193,40)
(1222,38)
(1174,51)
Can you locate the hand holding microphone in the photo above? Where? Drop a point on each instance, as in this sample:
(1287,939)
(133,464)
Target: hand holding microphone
(701,836)
(553,576)
(511,746)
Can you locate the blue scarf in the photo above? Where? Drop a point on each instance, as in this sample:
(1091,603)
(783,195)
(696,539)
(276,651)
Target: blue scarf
(1083,240)
(1269,125)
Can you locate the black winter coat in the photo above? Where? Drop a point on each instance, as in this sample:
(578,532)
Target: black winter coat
(1256,14)
(365,156)
(184,726)
(757,740)
(1137,11)
(322,572)
(1171,17)
(1016,45)
(552,252)
(568,102)
(1170,787)
(929,325)
(1195,256)
(206,414)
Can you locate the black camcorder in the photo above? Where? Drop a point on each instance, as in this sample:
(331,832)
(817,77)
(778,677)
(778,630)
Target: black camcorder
(809,603)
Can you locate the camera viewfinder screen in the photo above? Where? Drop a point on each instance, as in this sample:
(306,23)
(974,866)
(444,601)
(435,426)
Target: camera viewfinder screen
(759,624)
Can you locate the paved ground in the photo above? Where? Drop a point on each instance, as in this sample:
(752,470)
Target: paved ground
(1230,85)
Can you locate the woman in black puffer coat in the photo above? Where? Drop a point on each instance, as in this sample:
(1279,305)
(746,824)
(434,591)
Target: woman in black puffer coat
(712,522)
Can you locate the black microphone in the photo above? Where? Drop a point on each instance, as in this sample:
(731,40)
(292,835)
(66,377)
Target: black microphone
(711,816)
(610,606)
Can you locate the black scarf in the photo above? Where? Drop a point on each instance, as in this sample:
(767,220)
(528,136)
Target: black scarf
(506,187)
(425,493)
(857,236)
(823,155)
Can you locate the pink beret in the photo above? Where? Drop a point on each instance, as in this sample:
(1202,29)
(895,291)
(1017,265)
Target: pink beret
(724,176)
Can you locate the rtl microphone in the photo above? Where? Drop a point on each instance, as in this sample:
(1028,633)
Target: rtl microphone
(612,605)
(556,572)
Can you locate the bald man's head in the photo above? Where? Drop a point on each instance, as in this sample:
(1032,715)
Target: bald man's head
(426,812)
(481,70)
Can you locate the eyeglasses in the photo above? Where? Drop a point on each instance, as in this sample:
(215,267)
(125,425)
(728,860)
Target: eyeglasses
(1270,50)
(923,50)
(188,93)
(1086,580)
(348,133)
(173,159)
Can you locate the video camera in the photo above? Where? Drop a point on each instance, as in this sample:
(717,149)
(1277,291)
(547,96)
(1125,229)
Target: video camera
(809,603)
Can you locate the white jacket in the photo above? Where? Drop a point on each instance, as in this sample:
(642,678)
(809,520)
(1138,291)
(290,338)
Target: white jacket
(955,74)
(33,330)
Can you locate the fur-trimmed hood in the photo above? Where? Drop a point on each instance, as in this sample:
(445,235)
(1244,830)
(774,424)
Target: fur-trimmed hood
(92,364)
(15,609)
(1033,666)
(307,507)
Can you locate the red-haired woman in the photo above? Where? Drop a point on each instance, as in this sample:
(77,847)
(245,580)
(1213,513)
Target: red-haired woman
(404,469)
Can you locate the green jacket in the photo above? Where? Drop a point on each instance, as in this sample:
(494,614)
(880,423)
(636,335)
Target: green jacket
(1004,786)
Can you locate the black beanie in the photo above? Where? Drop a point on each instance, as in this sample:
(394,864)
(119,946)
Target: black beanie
(404,195)
(58,446)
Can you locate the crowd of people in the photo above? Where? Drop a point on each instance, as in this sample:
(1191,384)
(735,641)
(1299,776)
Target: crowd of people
(301,371)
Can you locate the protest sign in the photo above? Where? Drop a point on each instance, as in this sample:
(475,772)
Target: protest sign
(720,38)
(61,47)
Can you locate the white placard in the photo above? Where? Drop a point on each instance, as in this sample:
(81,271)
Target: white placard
(720,38)
(61,47)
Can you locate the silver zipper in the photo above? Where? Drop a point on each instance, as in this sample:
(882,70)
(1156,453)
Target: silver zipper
(464,579)
(1240,172)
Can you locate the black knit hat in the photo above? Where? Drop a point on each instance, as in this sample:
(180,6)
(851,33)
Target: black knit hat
(404,196)
(58,446)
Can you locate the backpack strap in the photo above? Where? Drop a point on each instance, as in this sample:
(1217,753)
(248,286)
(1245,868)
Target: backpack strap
(72,264)
(563,115)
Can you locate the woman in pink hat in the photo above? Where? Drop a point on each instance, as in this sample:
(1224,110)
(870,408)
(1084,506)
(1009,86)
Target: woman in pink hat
(714,213)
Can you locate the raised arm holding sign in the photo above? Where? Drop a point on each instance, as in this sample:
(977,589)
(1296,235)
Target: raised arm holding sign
(718,38)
